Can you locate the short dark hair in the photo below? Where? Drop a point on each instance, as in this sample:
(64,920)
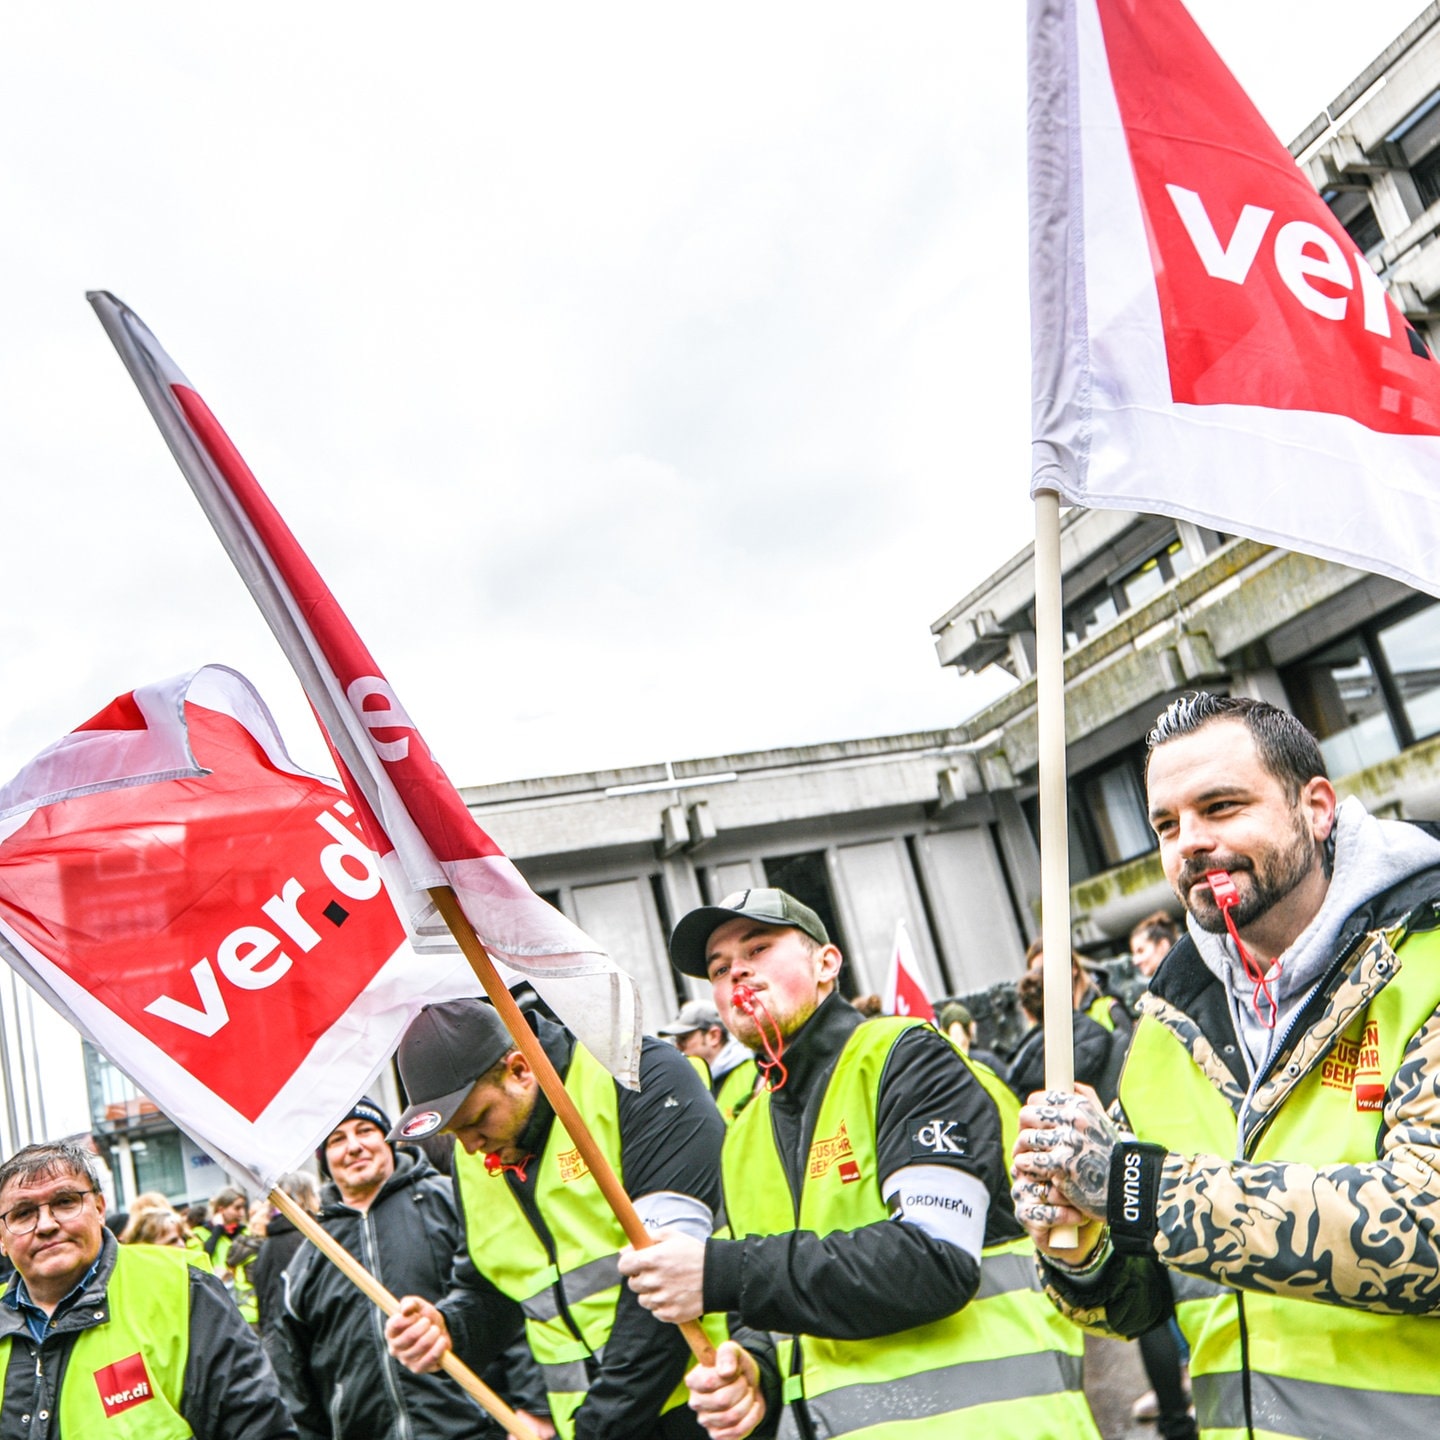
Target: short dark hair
(1287,750)
(1031,993)
(39,1162)
(1155,928)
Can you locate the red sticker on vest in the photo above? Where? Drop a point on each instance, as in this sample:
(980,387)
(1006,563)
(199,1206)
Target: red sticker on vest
(849,1172)
(825,1153)
(1354,1065)
(124,1384)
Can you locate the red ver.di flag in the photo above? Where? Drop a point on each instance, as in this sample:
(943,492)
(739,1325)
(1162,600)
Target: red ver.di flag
(414,816)
(210,916)
(1207,341)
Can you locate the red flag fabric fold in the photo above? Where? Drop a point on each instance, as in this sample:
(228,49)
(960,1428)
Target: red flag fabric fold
(418,823)
(211,917)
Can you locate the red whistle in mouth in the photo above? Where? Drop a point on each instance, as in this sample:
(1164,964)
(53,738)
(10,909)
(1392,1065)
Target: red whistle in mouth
(494,1165)
(1227,897)
(772,1042)
(1222,887)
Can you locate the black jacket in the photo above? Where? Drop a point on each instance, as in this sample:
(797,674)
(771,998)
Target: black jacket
(329,1344)
(267,1271)
(670,1139)
(229,1392)
(859,1284)
(1097,1053)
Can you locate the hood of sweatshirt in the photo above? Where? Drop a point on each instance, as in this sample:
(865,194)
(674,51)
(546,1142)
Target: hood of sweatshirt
(1371,856)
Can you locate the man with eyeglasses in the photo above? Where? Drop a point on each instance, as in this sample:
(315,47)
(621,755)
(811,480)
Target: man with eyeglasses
(125,1341)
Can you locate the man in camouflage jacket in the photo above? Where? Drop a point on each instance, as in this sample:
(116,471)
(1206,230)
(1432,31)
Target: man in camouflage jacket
(1270,1174)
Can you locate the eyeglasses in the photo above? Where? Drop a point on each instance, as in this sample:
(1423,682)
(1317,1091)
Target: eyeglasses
(63,1208)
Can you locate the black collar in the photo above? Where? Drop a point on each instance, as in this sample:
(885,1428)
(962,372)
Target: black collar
(811,1052)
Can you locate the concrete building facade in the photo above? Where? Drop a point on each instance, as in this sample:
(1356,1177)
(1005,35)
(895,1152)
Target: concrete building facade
(869,832)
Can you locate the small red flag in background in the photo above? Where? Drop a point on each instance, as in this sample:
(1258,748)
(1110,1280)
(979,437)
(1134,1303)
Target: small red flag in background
(904,994)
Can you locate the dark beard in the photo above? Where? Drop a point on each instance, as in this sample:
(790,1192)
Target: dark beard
(1283,870)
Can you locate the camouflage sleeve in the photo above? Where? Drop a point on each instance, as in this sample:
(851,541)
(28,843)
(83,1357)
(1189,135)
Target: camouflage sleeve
(1123,1297)
(1362,1236)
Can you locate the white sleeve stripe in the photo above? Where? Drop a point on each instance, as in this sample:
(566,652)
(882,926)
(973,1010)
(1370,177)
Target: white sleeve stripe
(946,1203)
(670,1210)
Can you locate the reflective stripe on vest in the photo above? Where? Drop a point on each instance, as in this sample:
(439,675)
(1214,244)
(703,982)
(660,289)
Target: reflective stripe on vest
(587,1238)
(1008,1351)
(1306,1360)
(1304,1410)
(126,1374)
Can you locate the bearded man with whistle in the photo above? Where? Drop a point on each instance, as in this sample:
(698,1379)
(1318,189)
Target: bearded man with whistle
(866,1197)
(1270,1175)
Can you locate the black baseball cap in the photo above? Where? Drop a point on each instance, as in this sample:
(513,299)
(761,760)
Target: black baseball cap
(770,907)
(445,1051)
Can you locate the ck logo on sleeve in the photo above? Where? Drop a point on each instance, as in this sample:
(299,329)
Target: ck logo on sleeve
(933,1136)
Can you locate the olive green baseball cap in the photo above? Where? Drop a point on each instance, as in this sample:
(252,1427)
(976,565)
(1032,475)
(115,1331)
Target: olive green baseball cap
(770,907)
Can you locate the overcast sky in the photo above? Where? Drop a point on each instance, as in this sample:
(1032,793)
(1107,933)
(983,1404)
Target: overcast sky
(644,380)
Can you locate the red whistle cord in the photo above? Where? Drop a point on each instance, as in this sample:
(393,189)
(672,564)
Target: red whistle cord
(1227,897)
(494,1165)
(771,1040)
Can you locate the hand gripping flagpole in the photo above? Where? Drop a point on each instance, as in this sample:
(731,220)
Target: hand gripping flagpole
(528,1044)
(1054,834)
(453,1366)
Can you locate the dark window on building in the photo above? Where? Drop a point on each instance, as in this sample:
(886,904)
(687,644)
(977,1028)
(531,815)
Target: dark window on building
(1426,175)
(1131,588)
(1364,229)
(1108,820)
(1352,208)
(807,879)
(1374,691)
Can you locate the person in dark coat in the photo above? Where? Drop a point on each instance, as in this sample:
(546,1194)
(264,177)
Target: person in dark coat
(1093,1046)
(279,1242)
(391,1209)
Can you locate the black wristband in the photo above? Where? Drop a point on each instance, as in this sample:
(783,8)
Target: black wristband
(1134,1188)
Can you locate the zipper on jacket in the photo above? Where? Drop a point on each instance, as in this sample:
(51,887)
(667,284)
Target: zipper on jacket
(1245,1364)
(387,1366)
(1245,1143)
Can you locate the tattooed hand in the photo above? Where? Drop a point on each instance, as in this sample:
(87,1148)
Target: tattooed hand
(1062,1161)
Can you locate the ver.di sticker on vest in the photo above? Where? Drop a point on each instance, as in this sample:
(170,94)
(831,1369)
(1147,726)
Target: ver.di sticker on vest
(837,1149)
(124,1384)
(1354,1065)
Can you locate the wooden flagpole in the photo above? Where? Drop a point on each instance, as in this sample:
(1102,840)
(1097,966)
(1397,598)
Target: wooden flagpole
(453,1366)
(528,1044)
(1054,832)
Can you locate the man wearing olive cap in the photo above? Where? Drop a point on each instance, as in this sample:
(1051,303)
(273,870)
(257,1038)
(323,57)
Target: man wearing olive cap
(698,1033)
(541,1244)
(861,1188)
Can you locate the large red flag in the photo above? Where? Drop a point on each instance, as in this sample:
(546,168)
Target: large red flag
(1207,340)
(209,916)
(413,814)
